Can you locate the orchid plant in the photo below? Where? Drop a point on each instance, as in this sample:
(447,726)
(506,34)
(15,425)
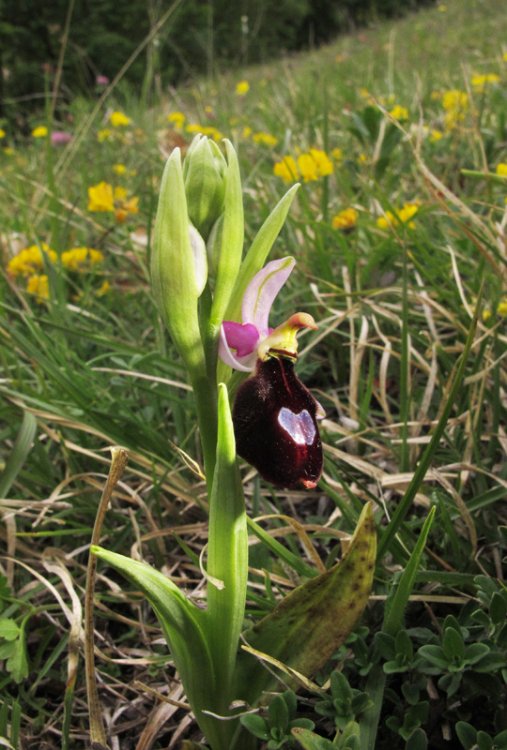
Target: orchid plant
(216,304)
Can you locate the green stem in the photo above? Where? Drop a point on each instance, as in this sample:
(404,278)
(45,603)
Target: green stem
(205,393)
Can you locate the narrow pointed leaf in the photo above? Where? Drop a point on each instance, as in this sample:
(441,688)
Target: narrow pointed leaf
(310,623)
(227,552)
(183,626)
(19,453)
(175,283)
(231,239)
(396,603)
(259,250)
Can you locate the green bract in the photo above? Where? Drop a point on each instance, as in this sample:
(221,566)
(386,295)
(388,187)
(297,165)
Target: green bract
(203,172)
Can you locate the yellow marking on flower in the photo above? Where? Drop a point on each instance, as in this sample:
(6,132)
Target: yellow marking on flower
(101,197)
(119,119)
(399,113)
(345,220)
(31,259)
(501,169)
(286,169)
(38,285)
(177,119)
(265,139)
(81,258)
(40,131)
(242,88)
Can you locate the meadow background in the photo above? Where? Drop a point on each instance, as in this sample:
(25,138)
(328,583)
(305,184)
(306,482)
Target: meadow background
(397,133)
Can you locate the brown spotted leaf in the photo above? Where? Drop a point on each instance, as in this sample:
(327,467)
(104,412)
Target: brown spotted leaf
(309,624)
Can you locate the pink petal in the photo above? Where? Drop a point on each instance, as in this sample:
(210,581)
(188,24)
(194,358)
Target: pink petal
(243,338)
(228,357)
(262,291)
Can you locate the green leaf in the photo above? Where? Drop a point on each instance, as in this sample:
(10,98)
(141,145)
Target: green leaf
(173,275)
(231,240)
(256,725)
(279,713)
(185,631)
(227,553)
(17,663)
(435,655)
(311,622)
(397,601)
(311,741)
(452,644)
(9,630)
(466,734)
(19,453)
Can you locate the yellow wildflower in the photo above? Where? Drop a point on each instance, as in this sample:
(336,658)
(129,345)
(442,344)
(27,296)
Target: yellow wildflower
(324,164)
(104,135)
(307,167)
(401,216)
(265,139)
(436,135)
(31,259)
(119,169)
(177,119)
(479,81)
(40,131)
(501,169)
(504,57)
(346,219)
(486,315)
(247,131)
(100,197)
(2,133)
(208,130)
(454,99)
(242,88)
(502,308)
(337,154)
(126,207)
(286,169)
(362,158)
(119,119)
(399,113)
(81,258)
(104,288)
(38,285)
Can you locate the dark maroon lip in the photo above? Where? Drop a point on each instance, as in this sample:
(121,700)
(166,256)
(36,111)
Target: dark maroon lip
(275,425)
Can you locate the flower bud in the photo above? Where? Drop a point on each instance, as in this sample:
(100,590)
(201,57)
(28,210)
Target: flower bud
(203,172)
(275,424)
(178,265)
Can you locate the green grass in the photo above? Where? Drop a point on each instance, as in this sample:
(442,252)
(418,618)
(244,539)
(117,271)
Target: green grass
(395,308)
